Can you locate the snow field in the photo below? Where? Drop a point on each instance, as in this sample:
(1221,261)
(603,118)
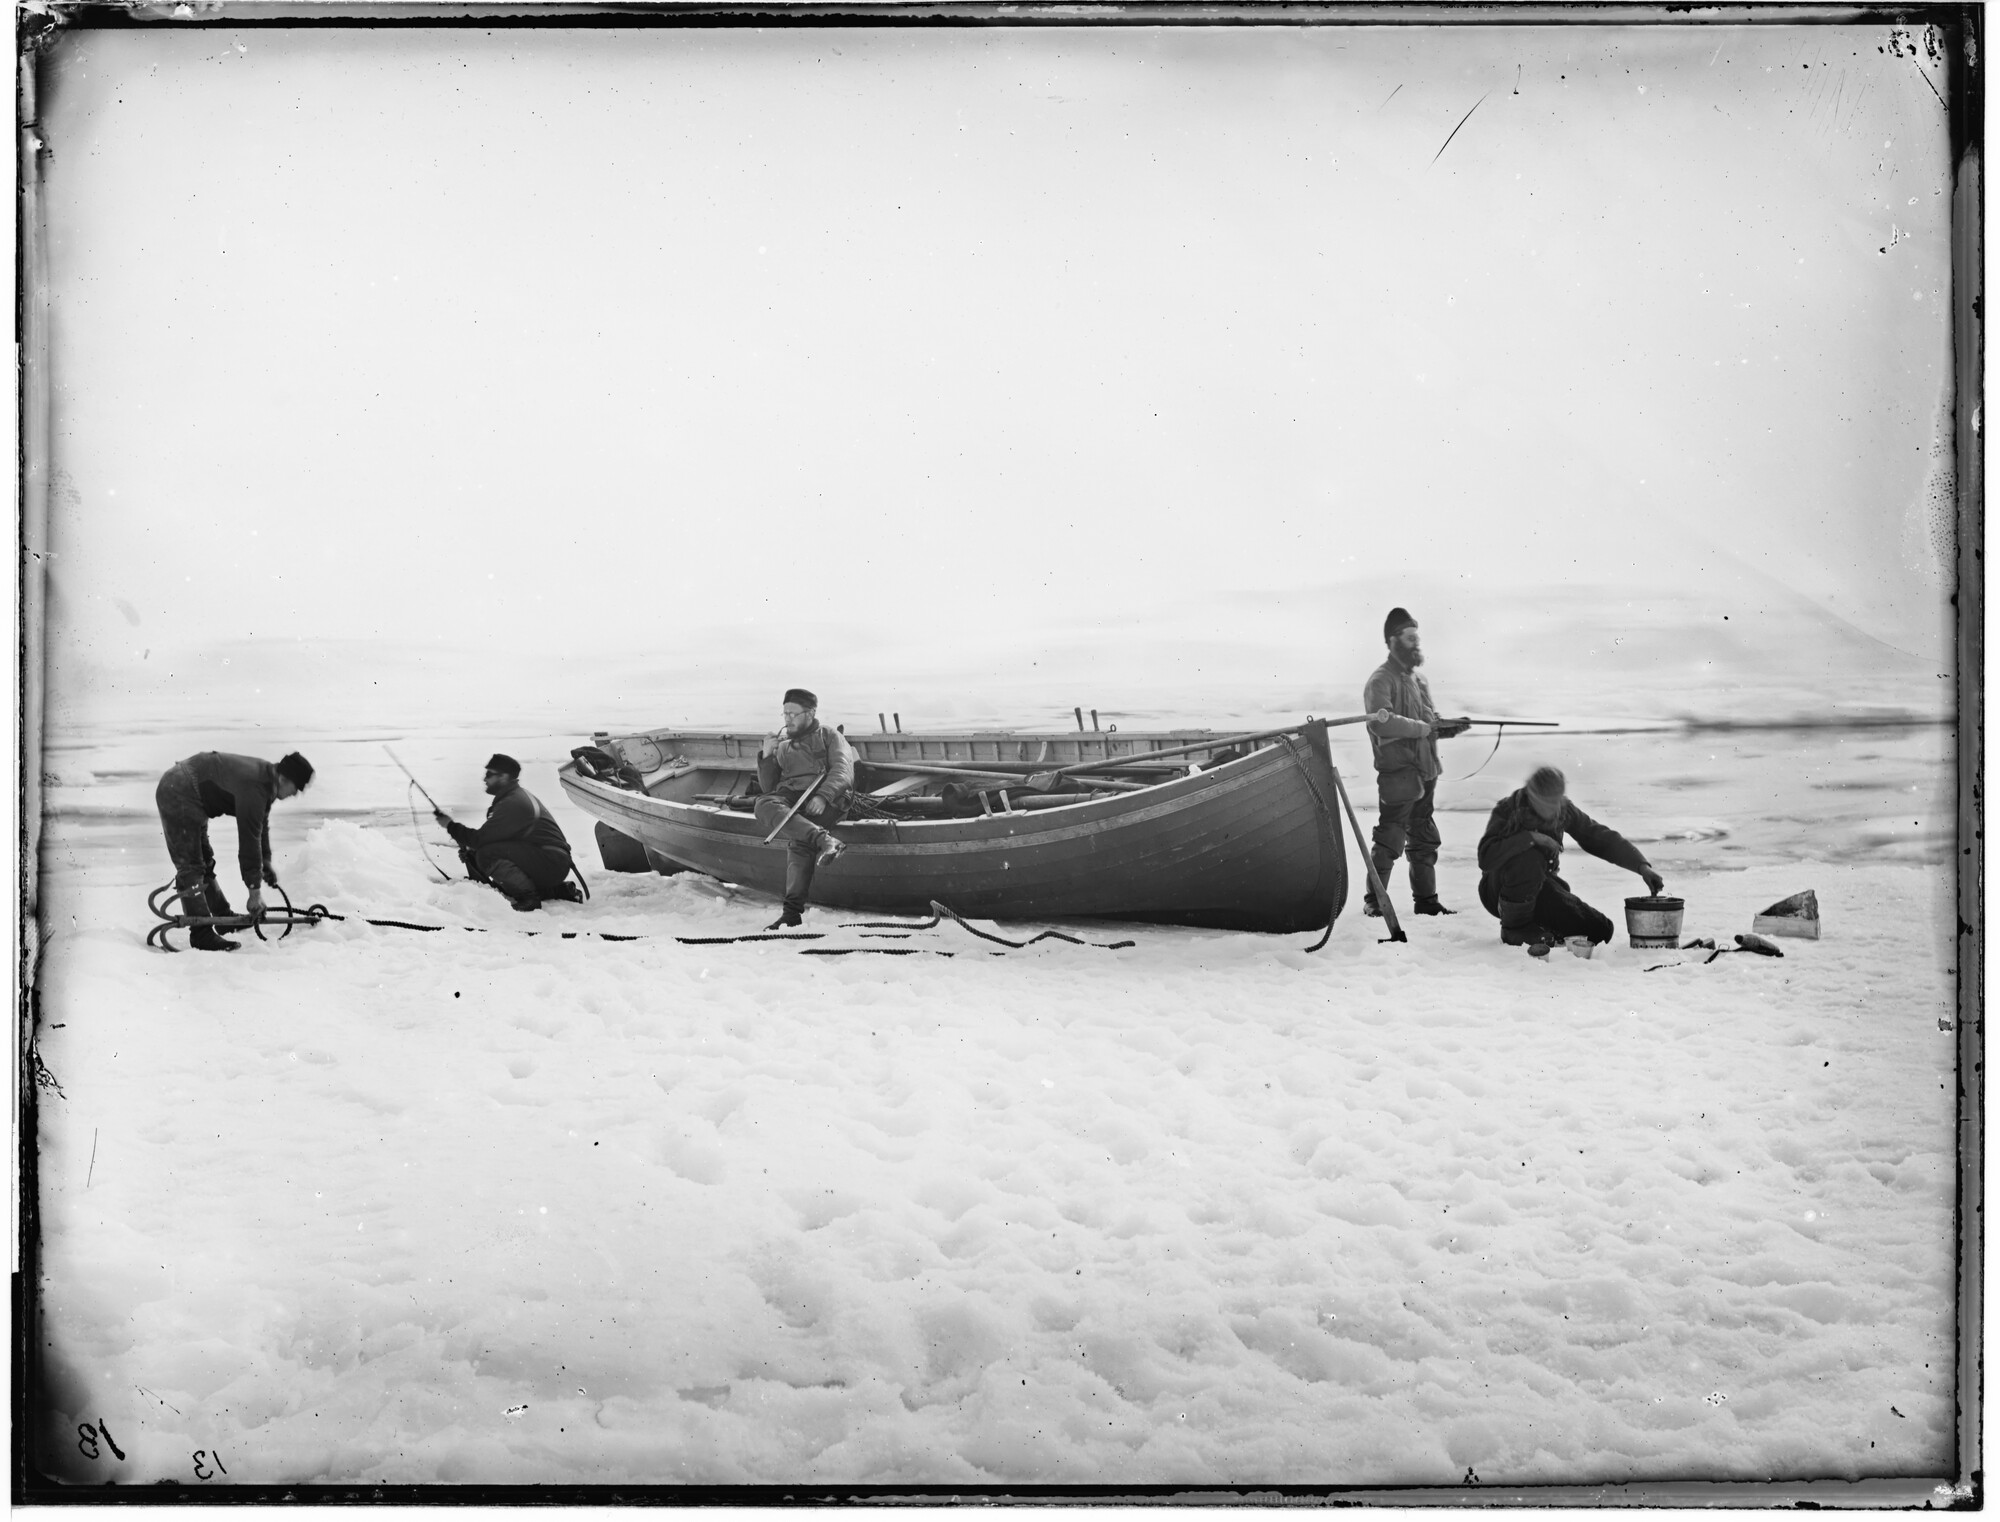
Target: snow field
(372,1204)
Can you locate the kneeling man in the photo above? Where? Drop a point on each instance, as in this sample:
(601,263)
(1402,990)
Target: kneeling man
(520,849)
(1519,855)
(788,765)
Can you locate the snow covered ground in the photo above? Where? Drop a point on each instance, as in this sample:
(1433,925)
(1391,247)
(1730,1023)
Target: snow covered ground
(374,1204)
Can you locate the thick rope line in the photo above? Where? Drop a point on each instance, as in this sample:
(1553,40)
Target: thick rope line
(317,912)
(880,951)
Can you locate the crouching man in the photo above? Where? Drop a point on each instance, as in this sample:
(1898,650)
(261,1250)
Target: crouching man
(1519,855)
(804,756)
(520,849)
(206,787)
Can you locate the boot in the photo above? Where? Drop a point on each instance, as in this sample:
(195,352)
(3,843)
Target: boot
(203,937)
(1534,937)
(1431,905)
(1368,905)
(567,892)
(512,881)
(218,906)
(791,919)
(828,848)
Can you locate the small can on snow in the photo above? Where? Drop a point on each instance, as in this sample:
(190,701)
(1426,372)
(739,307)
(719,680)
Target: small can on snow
(1654,921)
(1581,946)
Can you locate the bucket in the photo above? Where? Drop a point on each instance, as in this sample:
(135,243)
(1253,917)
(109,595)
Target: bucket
(1653,921)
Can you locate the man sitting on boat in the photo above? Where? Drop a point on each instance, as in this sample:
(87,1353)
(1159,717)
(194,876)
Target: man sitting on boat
(1520,852)
(520,850)
(811,762)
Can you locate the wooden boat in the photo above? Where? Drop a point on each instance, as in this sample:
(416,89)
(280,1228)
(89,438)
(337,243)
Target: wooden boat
(1177,827)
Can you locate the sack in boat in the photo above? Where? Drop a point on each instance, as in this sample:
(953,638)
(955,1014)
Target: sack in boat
(602,766)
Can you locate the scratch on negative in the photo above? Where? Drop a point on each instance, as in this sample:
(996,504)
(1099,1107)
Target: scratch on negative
(1389,97)
(1461,122)
(1927,80)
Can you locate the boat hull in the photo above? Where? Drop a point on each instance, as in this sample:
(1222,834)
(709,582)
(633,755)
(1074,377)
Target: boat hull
(1252,844)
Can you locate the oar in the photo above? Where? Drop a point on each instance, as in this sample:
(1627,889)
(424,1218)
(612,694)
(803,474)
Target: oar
(1043,781)
(1010,779)
(796,807)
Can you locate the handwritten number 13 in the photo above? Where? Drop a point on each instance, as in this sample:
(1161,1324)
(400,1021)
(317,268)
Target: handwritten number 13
(87,1436)
(202,1456)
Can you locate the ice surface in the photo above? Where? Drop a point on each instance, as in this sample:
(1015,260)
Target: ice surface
(377,1204)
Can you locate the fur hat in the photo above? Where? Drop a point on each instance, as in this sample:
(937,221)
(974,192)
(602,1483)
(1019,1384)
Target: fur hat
(1398,620)
(499,763)
(296,769)
(801,697)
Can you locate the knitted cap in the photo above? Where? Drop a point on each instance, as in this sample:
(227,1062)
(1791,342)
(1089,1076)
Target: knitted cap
(499,763)
(801,697)
(296,769)
(1547,782)
(1398,620)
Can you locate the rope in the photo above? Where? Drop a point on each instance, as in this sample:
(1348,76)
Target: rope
(290,916)
(939,913)
(1326,809)
(1489,755)
(411,794)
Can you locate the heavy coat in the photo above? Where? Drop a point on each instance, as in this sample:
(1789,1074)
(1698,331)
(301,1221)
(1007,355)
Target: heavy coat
(801,758)
(1511,828)
(1402,742)
(242,786)
(516,814)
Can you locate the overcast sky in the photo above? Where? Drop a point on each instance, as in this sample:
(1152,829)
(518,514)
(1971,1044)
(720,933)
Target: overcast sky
(893,334)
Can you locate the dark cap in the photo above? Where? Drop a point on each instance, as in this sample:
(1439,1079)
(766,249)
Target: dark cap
(1547,782)
(801,697)
(1398,620)
(499,763)
(296,769)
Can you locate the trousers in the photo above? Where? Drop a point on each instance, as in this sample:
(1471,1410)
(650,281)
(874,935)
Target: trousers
(1526,891)
(1408,828)
(185,825)
(497,864)
(802,840)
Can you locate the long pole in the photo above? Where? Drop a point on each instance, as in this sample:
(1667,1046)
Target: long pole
(1368,861)
(796,807)
(411,775)
(976,774)
(1111,763)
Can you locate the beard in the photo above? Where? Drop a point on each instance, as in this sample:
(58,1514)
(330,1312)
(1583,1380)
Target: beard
(1413,658)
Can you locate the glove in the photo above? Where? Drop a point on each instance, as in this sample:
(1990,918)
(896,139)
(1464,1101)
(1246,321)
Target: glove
(1446,729)
(1545,845)
(1654,882)
(442,818)
(270,878)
